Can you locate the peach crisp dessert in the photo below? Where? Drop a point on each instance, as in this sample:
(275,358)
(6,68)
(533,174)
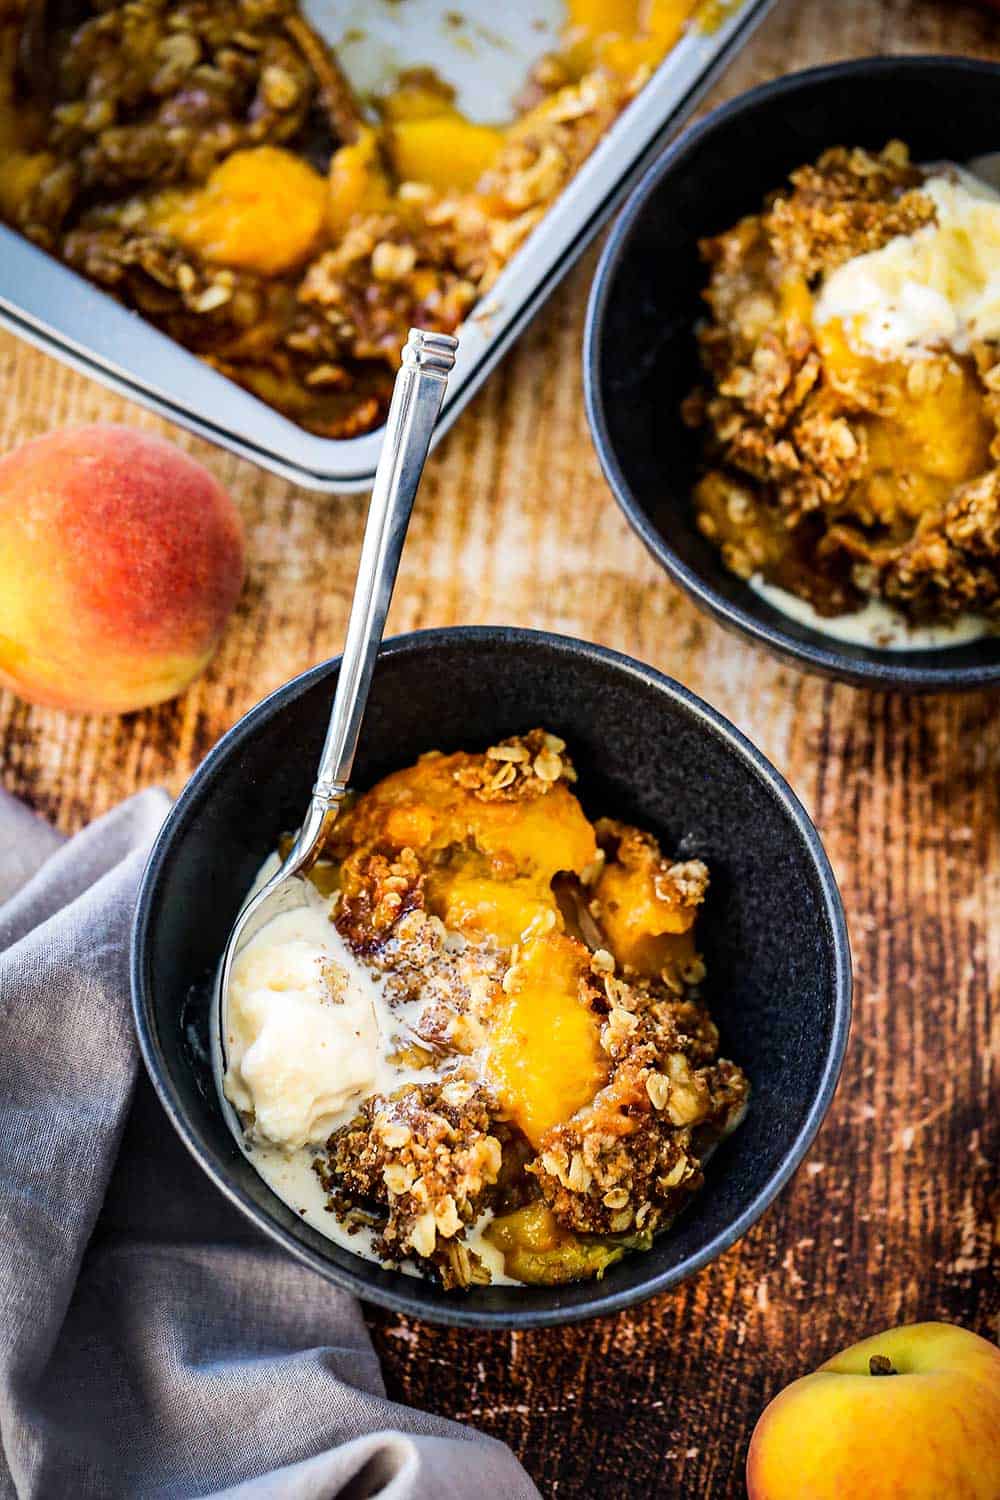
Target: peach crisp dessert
(852,396)
(208,164)
(480,1051)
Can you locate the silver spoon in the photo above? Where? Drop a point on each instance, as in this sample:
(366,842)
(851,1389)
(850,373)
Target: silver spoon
(416,401)
(986,168)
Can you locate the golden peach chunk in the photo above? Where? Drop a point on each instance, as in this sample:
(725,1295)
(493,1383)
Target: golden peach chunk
(262,209)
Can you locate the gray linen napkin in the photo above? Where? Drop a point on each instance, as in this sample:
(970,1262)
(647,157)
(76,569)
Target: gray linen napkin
(152,1344)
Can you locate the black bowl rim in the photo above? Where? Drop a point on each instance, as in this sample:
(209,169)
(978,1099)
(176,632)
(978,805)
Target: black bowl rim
(882,670)
(602,1302)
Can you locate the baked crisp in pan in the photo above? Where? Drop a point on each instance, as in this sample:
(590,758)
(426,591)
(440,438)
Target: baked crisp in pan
(852,389)
(207,163)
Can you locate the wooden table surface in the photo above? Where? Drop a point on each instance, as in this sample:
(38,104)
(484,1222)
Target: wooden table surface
(893,1216)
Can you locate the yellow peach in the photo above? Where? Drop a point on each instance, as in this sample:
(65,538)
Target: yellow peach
(913,1412)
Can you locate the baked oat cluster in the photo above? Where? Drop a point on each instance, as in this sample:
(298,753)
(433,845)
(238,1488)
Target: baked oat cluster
(563,1084)
(207,164)
(840,475)
(429,1156)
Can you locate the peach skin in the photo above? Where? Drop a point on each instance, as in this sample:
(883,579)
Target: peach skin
(120,561)
(913,1413)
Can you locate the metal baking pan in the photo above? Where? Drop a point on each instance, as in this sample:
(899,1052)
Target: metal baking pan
(54,308)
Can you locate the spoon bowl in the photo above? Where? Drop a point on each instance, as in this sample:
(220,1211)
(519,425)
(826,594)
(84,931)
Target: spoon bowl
(986,168)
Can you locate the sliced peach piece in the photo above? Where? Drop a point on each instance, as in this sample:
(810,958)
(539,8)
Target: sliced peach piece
(262,209)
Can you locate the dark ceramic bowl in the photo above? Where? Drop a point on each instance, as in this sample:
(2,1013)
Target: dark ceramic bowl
(772,931)
(640,356)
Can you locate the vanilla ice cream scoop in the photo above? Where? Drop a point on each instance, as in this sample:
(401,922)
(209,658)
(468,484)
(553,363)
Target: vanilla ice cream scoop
(302,1038)
(939,286)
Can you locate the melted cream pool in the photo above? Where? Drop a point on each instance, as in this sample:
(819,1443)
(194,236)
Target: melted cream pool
(309,1096)
(877,625)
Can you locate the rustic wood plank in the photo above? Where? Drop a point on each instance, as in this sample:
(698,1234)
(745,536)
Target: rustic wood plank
(893,1217)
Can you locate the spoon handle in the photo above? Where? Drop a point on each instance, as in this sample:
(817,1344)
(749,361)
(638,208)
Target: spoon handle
(416,401)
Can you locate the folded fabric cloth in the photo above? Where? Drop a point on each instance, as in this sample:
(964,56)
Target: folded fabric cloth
(152,1343)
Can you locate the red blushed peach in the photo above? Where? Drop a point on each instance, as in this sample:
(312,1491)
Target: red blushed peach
(120,561)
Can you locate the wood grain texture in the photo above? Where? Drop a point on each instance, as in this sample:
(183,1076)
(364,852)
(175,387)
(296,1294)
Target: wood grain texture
(894,1215)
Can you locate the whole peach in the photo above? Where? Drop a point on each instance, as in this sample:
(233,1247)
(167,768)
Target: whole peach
(912,1413)
(120,561)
